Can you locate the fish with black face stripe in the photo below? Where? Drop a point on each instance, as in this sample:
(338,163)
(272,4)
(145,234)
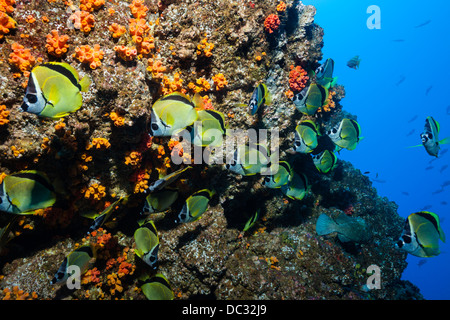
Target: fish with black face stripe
(147,243)
(421,234)
(25,191)
(346,135)
(54,90)
(195,206)
(430,137)
(172,113)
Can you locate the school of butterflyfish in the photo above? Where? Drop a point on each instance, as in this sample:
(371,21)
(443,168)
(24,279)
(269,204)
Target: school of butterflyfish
(54,91)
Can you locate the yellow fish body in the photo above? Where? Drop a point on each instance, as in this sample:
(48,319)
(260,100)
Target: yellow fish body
(54,90)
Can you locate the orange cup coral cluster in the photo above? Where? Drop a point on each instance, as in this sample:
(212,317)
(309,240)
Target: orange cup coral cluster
(272,23)
(330,103)
(219,81)
(91,56)
(138,9)
(118,120)
(117,30)
(139,31)
(298,78)
(99,143)
(126,53)
(17,294)
(202,85)
(82,20)
(281,7)
(156,68)
(133,158)
(95,191)
(91,5)
(205,48)
(3,115)
(6,24)
(56,44)
(7,6)
(168,86)
(21,58)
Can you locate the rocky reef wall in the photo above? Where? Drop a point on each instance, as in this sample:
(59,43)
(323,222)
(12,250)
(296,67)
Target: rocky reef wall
(139,51)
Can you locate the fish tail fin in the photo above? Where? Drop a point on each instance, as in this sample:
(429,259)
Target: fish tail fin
(268,99)
(417,145)
(85,83)
(445,141)
(325,225)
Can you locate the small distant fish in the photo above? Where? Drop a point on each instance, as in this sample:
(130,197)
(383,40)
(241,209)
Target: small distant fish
(366,172)
(166,180)
(437,191)
(405,193)
(413,118)
(428,90)
(428,206)
(402,78)
(429,168)
(448,110)
(347,228)
(446,183)
(421,234)
(354,62)
(445,166)
(411,132)
(444,203)
(399,40)
(444,151)
(379,180)
(423,24)
(422,262)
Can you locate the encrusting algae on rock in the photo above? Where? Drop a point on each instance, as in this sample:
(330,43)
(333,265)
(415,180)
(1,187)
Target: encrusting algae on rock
(102,162)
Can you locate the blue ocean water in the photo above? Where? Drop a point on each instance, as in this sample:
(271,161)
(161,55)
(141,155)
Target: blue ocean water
(402,79)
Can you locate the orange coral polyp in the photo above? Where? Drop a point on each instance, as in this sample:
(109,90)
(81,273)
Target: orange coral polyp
(138,9)
(3,115)
(117,30)
(7,6)
(91,5)
(156,68)
(219,81)
(86,54)
(126,53)
(82,20)
(298,78)
(6,24)
(56,44)
(21,57)
(272,23)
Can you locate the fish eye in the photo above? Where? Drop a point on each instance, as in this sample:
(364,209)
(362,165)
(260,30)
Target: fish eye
(400,243)
(297,143)
(266,179)
(31,98)
(227,166)
(430,136)
(334,130)
(155,126)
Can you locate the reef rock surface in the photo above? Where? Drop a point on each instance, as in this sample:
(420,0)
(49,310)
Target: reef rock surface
(102,152)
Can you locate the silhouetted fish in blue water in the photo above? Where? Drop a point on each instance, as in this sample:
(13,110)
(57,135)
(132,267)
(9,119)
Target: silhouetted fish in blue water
(402,78)
(379,180)
(444,203)
(422,262)
(429,168)
(413,118)
(428,206)
(411,132)
(445,166)
(405,193)
(428,90)
(448,110)
(444,151)
(423,24)
(446,183)
(437,191)
(399,40)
